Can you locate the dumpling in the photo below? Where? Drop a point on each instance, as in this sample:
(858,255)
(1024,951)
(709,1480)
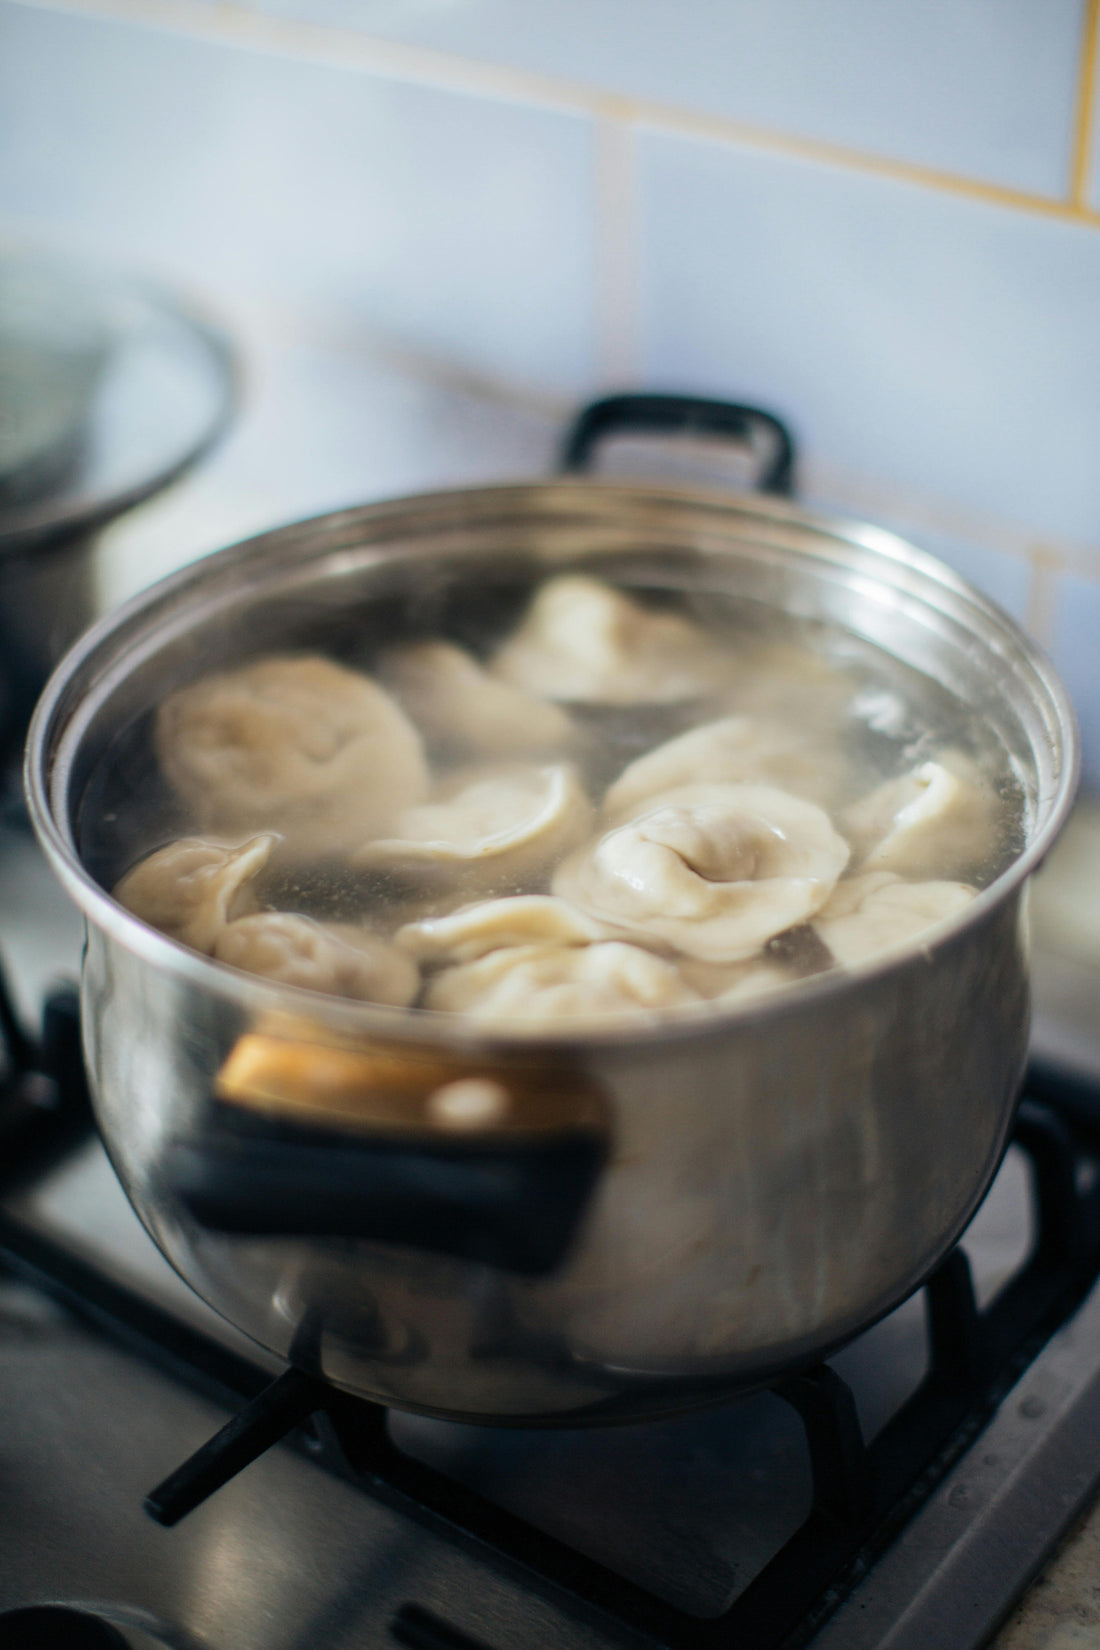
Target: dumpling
(543,984)
(877,911)
(583,641)
(735,982)
(488,823)
(191,889)
(735,750)
(339,958)
(791,682)
(538,922)
(713,870)
(294,743)
(498,924)
(941,817)
(461,708)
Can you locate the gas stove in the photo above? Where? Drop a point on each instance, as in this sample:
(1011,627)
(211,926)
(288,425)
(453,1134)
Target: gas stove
(163,1481)
(167,1482)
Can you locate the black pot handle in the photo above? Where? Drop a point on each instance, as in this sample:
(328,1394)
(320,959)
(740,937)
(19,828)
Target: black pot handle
(682,415)
(513,1206)
(306,1141)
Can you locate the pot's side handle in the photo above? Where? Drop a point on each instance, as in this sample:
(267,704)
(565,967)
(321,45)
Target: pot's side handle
(684,415)
(430,1152)
(513,1205)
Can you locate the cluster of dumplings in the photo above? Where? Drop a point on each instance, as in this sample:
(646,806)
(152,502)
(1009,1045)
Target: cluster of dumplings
(726,861)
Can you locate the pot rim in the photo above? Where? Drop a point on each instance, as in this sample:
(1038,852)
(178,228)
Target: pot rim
(422,1026)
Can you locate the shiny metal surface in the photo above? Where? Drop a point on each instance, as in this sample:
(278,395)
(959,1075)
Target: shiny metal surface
(779,1175)
(690,1508)
(162,394)
(287,1557)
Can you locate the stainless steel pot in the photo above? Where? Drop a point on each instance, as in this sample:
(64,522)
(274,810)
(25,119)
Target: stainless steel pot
(620,1223)
(109,391)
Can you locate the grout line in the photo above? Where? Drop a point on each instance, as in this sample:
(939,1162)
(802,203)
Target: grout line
(398,354)
(1045,566)
(1082,560)
(237,23)
(1085,107)
(877,498)
(234,23)
(691,124)
(839,491)
(617,263)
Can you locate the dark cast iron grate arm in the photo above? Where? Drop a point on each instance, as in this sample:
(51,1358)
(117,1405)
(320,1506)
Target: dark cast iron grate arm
(290,1399)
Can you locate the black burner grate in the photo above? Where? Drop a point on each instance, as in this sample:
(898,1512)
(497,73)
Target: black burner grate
(863,1494)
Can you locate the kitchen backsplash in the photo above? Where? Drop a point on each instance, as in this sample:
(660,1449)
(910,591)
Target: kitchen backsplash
(881,221)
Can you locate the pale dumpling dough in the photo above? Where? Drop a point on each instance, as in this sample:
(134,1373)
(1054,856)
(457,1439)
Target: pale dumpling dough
(734,982)
(581,641)
(712,870)
(339,958)
(939,818)
(544,984)
(733,750)
(498,924)
(293,743)
(191,889)
(488,823)
(877,911)
(792,683)
(460,707)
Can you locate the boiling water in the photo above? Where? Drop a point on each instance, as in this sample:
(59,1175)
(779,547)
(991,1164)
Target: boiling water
(876,716)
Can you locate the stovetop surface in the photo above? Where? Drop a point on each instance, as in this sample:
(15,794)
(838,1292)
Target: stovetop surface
(711,1497)
(686,1512)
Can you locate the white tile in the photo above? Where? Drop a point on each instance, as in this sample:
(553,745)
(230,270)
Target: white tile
(983,87)
(325,422)
(1076,653)
(459,225)
(944,347)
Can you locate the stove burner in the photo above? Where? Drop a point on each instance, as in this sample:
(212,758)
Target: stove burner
(864,1494)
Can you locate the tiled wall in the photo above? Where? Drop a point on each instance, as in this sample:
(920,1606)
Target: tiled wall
(882,220)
